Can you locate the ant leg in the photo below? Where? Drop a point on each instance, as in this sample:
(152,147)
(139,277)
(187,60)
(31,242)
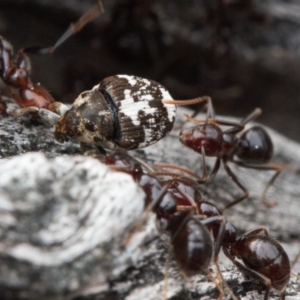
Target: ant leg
(167,266)
(218,244)
(3,106)
(95,11)
(188,101)
(214,170)
(256,231)
(253,115)
(210,113)
(203,179)
(241,125)
(282,294)
(204,168)
(238,183)
(236,127)
(277,170)
(175,167)
(295,260)
(207,178)
(143,218)
(219,273)
(217,247)
(217,284)
(256,275)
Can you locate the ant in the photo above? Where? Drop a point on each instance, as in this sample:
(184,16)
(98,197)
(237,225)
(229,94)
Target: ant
(175,203)
(122,111)
(263,257)
(180,209)
(15,73)
(252,149)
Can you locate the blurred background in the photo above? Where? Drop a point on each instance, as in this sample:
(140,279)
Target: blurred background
(242,53)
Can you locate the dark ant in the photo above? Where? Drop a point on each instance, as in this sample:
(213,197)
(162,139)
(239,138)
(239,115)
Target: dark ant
(121,112)
(263,257)
(15,73)
(176,214)
(252,149)
(179,208)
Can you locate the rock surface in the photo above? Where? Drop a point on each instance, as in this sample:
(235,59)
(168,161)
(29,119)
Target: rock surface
(65,215)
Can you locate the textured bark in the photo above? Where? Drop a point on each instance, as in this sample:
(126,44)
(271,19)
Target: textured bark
(45,196)
(64,217)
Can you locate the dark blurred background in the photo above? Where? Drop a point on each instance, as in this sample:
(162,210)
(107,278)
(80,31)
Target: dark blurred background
(243,53)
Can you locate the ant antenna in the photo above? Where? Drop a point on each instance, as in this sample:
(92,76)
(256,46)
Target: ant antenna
(90,15)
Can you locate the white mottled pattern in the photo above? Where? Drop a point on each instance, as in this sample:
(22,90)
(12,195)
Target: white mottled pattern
(80,99)
(131,79)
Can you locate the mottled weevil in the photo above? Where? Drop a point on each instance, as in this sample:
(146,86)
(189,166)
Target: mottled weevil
(122,111)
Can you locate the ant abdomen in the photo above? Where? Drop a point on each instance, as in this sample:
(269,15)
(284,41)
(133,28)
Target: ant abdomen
(255,146)
(191,243)
(266,256)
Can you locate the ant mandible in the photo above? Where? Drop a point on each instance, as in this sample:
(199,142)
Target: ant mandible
(15,73)
(253,148)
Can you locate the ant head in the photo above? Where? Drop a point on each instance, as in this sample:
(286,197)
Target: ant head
(191,241)
(207,137)
(255,146)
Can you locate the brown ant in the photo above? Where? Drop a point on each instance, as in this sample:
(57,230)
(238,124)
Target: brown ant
(15,73)
(263,258)
(179,208)
(179,211)
(252,149)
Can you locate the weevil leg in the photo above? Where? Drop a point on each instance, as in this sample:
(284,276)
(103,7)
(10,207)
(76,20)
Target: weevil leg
(24,111)
(58,108)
